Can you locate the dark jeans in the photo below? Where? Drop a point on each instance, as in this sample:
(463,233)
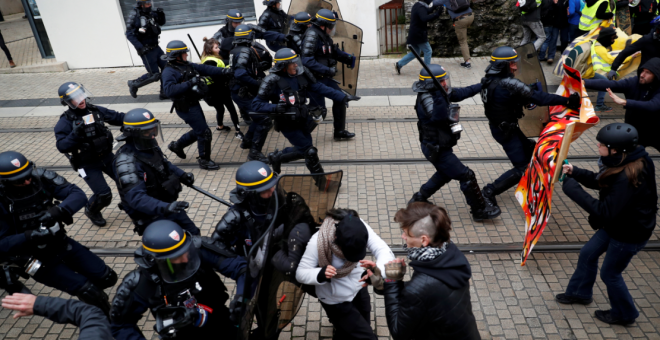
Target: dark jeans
(617,258)
(69,270)
(195,118)
(152,62)
(550,43)
(518,148)
(573,32)
(338,107)
(447,167)
(352,320)
(95,179)
(4,47)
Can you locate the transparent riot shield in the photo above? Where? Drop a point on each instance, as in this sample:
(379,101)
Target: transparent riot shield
(278,297)
(530,72)
(348,38)
(309,6)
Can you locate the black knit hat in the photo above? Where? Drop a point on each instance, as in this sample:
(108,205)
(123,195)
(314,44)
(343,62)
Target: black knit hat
(351,237)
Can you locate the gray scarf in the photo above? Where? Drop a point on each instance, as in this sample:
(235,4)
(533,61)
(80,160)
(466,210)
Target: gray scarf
(326,247)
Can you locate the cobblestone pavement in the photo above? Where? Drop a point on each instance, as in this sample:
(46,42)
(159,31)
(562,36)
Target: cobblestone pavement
(21,43)
(382,167)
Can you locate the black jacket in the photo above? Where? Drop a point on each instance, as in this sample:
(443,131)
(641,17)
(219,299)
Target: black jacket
(435,304)
(627,214)
(92,322)
(420,15)
(649,47)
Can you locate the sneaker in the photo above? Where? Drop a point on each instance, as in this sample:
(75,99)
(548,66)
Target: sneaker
(606,317)
(569,300)
(239,135)
(550,61)
(12,64)
(602,108)
(466,65)
(397,68)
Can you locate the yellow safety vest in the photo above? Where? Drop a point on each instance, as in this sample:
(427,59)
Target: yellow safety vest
(538,5)
(588,20)
(218,61)
(596,61)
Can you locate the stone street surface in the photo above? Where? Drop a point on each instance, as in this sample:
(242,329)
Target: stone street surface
(383,166)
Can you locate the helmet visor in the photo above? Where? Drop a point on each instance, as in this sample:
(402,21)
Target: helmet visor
(145,2)
(293,67)
(149,137)
(179,268)
(76,95)
(445,82)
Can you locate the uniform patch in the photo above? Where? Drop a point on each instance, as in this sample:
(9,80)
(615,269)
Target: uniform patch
(248,242)
(16,163)
(175,236)
(145,176)
(71,86)
(292,100)
(146,115)
(323,49)
(293,52)
(263,172)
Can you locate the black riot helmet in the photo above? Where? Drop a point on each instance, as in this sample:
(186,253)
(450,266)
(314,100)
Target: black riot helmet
(141,3)
(300,22)
(14,168)
(325,17)
(72,94)
(172,250)
(440,74)
(285,57)
(619,136)
(142,129)
(501,59)
(243,34)
(233,16)
(270,3)
(174,49)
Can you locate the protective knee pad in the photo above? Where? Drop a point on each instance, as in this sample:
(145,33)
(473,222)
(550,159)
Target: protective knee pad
(108,280)
(471,190)
(208,135)
(312,161)
(102,200)
(93,295)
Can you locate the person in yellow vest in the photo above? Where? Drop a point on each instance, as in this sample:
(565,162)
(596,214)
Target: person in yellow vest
(531,22)
(602,58)
(219,95)
(597,11)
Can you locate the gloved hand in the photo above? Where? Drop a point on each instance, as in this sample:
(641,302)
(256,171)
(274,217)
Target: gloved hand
(160,10)
(194,81)
(177,207)
(236,308)
(336,14)
(574,101)
(281,108)
(395,270)
(39,236)
(353,59)
(612,75)
(141,51)
(350,98)
(265,65)
(55,214)
(332,72)
(187,179)
(277,233)
(288,39)
(79,128)
(228,71)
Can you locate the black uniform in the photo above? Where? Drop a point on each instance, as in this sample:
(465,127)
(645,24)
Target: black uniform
(273,20)
(226,38)
(297,31)
(143,31)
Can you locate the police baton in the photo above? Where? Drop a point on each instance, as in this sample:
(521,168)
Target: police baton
(200,190)
(426,67)
(196,50)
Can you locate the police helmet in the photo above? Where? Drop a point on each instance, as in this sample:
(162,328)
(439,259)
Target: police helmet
(439,73)
(619,136)
(655,23)
(233,16)
(173,250)
(501,59)
(14,167)
(300,22)
(73,94)
(143,129)
(255,176)
(243,34)
(144,2)
(174,49)
(325,17)
(271,2)
(285,57)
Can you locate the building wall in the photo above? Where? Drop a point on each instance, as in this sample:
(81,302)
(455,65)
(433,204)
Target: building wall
(8,7)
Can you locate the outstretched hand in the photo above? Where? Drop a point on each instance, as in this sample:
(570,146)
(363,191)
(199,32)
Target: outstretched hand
(22,303)
(616,98)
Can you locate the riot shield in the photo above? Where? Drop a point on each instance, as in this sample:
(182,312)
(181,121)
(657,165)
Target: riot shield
(281,296)
(530,72)
(309,6)
(348,38)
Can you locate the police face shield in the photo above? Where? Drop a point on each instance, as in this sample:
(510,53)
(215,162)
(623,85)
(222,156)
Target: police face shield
(75,96)
(513,66)
(21,188)
(294,67)
(149,137)
(145,3)
(179,268)
(445,82)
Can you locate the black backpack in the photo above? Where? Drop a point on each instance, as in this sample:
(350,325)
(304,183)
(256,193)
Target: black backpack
(458,6)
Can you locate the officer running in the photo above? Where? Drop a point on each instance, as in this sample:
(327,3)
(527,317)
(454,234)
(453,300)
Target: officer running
(439,131)
(301,22)
(83,137)
(176,280)
(273,19)
(320,55)
(288,86)
(149,184)
(143,30)
(249,70)
(33,242)
(504,98)
(183,83)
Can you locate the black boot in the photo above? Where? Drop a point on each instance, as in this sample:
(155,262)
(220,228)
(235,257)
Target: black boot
(339,117)
(92,295)
(508,180)
(108,280)
(246,144)
(314,166)
(277,158)
(132,88)
(93,209)
(419,197)
(134,85)
(256,155)
(177,149)
(489,195)
(207,164)
(478,207)
(344,134)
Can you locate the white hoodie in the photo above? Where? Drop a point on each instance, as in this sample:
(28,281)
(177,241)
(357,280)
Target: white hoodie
(345,289)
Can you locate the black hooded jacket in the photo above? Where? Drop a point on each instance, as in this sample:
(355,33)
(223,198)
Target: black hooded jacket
(643,101)
(435,303)
(649,47)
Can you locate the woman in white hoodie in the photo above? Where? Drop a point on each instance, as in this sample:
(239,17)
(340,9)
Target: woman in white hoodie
(330,263)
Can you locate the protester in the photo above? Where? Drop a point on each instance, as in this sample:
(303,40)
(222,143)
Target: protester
(531,23)
(561,23)
(462,20)
(549,20)
(648,45)
(574,15)
(418,38)
(594,13)
(435,303)
(331,262)
(642,14)
(3,46)
(624,216)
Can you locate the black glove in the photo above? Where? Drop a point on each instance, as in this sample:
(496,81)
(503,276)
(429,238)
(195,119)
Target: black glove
(187,179)
(281,108)
(574,101)
(79,128)
(228,71)
(288,39)
(265,65)
(141,51)
(236,308)
(194,81)
(612,75)
(39,236)
(159,10)
(54,215)
(177,207)
(332,72)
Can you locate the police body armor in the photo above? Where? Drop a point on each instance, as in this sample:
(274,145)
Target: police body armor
(149,28)
(438,135)
(296,101)
(278,20)
(97,141)
(500,109)
(245,57)
(327,55)
(195,94)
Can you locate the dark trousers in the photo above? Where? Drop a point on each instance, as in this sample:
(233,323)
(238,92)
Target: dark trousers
(3,46)
(196,120)
(181,219)
(258,130)
(95,179)
(68,270)
(300,138)
(447,167)
(352,320)
(274,46)
(220,100)
(152,62)
(517,147)
(338,107)
(617,258)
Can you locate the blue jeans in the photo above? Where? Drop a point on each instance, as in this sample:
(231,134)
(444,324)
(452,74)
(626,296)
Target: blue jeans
(617,257)
(600,99)
(550,43)
(419,48)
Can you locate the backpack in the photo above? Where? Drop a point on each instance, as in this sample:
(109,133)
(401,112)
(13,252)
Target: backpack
(458,6)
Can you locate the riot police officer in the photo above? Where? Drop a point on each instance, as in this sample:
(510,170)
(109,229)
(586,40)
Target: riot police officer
(273,19)
(504,98)
(439,131)
(83,137)
(288,86)
(301,22)
(176,281)
(149,184)
(320,55)
(183,83)
(143,30)
(33,242)
(249,67)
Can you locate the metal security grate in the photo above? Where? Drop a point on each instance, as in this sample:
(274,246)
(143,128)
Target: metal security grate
(187,13)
